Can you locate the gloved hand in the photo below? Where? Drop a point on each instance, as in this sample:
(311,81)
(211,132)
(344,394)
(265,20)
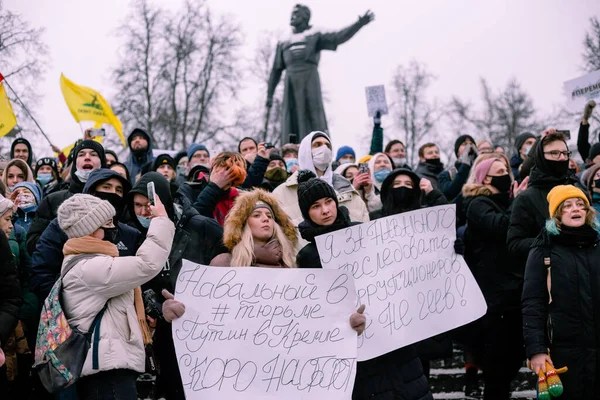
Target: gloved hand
(587,111)
(549,384)
(459,247)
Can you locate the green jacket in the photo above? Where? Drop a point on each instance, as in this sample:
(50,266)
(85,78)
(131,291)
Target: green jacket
(29,310)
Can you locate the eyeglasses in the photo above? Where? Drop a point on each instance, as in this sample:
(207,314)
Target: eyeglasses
(556,153)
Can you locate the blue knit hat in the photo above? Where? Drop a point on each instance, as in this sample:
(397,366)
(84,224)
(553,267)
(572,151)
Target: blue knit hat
(344,151)
(194,148)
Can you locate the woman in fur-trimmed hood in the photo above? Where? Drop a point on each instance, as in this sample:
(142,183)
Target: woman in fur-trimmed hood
(258,233)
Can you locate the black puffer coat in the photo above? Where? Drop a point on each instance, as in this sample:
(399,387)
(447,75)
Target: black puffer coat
(572,320)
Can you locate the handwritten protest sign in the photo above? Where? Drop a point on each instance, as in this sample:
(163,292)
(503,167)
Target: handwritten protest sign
(407,274)
(376,100)
(583,89)
(264,333)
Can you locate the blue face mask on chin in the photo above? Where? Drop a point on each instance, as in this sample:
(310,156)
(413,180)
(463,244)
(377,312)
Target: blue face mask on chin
(145,222)
(381,175)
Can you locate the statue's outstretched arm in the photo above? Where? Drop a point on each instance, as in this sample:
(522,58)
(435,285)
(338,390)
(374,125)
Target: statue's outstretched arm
(330,41)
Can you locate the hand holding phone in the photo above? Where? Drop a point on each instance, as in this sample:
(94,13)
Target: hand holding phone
(97,132)
(363,168)
(151,194)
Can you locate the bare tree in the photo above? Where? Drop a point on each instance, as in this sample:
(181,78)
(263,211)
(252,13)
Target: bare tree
(138,77)
(591,47)
(176,72)
(22,58)
(504,115)
(416,117)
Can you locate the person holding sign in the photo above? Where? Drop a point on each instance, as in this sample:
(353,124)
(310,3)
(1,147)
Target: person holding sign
(399,371)
(560,295)
(487,204)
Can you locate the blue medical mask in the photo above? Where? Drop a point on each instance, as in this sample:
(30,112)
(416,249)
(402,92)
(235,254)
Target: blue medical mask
(290,163)
(381,175)
(44,179)
(145,222)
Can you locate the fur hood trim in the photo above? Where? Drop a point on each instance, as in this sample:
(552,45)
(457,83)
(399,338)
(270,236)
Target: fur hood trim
(242,208)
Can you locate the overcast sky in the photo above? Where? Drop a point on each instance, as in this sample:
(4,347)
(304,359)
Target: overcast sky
(537,41)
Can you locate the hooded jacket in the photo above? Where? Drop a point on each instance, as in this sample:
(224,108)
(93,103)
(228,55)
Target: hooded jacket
(23,166)
(48,255)
(23,218)
(197,238)
(10,292)
(530,208)
(451,183)
(26,143)
(287,192)
(420,200)
(134,164)
(236,221)
(48,208)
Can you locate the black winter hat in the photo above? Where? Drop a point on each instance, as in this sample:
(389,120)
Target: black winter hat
(520,140)
(594,151)
(276,156)
(461,139)
(113,154)
(162,160)
(47,161)
(310,190)
(93,145)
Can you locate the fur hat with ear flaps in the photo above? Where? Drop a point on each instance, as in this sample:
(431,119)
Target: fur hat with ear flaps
(243,207)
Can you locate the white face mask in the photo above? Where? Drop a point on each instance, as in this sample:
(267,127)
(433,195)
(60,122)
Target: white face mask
(322,156)
(83,175)
(399,161)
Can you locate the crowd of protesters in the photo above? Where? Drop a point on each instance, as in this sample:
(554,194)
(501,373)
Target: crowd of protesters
(527,226)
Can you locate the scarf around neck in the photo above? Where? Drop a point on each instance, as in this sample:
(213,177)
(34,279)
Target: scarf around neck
(309,230)
(582,236)
(92,245)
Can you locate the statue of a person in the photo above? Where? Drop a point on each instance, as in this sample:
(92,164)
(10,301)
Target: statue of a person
(299,55)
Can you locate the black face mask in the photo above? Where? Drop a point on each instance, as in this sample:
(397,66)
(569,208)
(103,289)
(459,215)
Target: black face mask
(110,234)
(403,196)
(558,169)
(597,184)
(434,161)
(114,199)
(502,183)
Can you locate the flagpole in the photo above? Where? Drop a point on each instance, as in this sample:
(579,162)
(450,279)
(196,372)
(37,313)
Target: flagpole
(26,110)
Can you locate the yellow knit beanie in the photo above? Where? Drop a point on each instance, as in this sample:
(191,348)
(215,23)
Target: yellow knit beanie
(560,193)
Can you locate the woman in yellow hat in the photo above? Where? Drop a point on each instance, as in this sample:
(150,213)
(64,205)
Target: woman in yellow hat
(561,294)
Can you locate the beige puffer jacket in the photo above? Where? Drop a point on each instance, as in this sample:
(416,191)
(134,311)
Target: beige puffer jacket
(95,281)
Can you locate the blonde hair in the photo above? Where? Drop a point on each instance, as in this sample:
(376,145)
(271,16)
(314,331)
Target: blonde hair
(242,255)
(471,188)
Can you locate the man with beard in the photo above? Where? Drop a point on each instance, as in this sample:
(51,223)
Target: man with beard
(140,146)
(430,166)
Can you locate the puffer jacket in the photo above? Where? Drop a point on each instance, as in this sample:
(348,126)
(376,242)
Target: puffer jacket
(287,196)
(570,325)
(94,282)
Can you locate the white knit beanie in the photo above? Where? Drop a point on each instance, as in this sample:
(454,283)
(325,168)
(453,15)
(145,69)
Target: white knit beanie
(5,205)
(83,214)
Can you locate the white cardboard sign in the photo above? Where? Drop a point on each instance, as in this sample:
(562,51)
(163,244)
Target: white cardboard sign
(376,100)
(264,333)
(583,89)
(407,274)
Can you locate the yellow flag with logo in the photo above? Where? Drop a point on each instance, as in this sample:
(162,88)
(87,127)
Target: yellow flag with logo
(8,120)
(90,109)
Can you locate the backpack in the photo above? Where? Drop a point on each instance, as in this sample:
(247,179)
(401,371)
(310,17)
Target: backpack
(61,349)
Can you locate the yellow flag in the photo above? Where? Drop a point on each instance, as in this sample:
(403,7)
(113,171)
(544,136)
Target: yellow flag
(89,108)
(8,120)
